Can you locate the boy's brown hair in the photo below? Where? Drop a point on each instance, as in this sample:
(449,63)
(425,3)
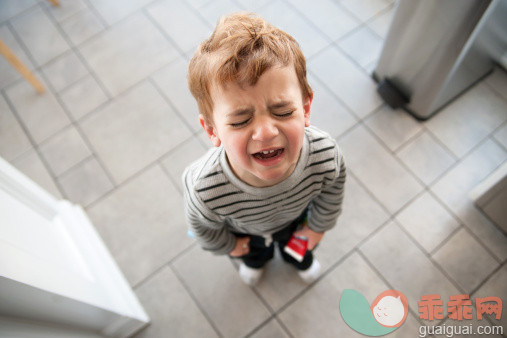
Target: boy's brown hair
(242,47)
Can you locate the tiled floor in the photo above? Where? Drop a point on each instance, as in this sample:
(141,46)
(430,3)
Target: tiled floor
(117,126)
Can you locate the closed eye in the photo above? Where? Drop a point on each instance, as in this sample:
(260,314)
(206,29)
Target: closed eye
(239,124)
(287,114)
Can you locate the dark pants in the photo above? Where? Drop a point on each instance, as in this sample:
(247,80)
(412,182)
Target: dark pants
(260,254)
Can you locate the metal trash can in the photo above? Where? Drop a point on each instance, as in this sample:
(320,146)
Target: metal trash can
(436,49)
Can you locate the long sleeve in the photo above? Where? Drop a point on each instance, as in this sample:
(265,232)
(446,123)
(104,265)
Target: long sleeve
(325,208)
(209,230)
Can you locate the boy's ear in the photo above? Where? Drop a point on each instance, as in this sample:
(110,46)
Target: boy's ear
(307,107)
(210,131)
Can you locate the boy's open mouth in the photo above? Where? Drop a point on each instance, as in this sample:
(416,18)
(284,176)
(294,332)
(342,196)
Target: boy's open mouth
(268,154)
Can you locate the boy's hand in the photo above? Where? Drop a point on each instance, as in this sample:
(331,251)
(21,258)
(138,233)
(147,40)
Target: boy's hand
(242,247)
(313,237)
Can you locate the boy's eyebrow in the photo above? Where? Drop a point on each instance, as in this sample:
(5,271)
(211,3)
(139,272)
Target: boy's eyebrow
(241,111)
(281,104)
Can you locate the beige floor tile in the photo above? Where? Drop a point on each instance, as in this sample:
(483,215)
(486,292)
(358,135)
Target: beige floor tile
(181,23)
(361,216)
(232,306)
(197,4)
(327,112)
(253,5)
(9,74)
(317,312)
(85,183)
(280,283)
(41,114)
(213,10)
(426,158)
(346,81)
(65,9)
(82,97)
(133,131)
(114,11)
(35,30)
(32,166)
(13,140)
(380,24)
(363,46)
(379,171)
(485,230)
(272,329)
(427,221)
(405,266)
(393,127)
(495,287)
(64,150)
(9,9)
(365,9)
(82,26)
(284,17)
(178,159)
(454,186)
(171,309)
(465,260)
(127,53)
(142,224)
(328,16)
(469,120)
(64,71)
(453,189)
(172,82)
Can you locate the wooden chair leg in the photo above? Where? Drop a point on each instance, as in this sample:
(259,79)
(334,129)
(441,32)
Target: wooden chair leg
(20,67)
(54,2)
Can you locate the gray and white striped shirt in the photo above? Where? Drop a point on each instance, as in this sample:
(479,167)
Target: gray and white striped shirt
(217,203)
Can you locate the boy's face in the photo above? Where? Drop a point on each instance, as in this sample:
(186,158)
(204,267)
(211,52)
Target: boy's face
(261,126)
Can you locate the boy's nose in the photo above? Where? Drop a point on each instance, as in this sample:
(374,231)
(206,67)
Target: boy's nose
(264,130)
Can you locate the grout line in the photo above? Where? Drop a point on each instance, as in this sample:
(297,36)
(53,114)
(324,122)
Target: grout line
(33,143)
(77,52)
(162,266)
(70,117)
(96,12)
(170,103)
(171,179)
(196,301)
(162,31)
(335,96)
(488,278)
(20,14)
(386,282)
(310,286)
(128,180)
(283,326)
(200,16)
(461,224)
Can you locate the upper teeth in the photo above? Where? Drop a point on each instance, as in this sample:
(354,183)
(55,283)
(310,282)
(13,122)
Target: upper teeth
(267,152)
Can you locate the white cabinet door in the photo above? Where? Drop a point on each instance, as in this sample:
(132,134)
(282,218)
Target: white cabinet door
(54,268)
